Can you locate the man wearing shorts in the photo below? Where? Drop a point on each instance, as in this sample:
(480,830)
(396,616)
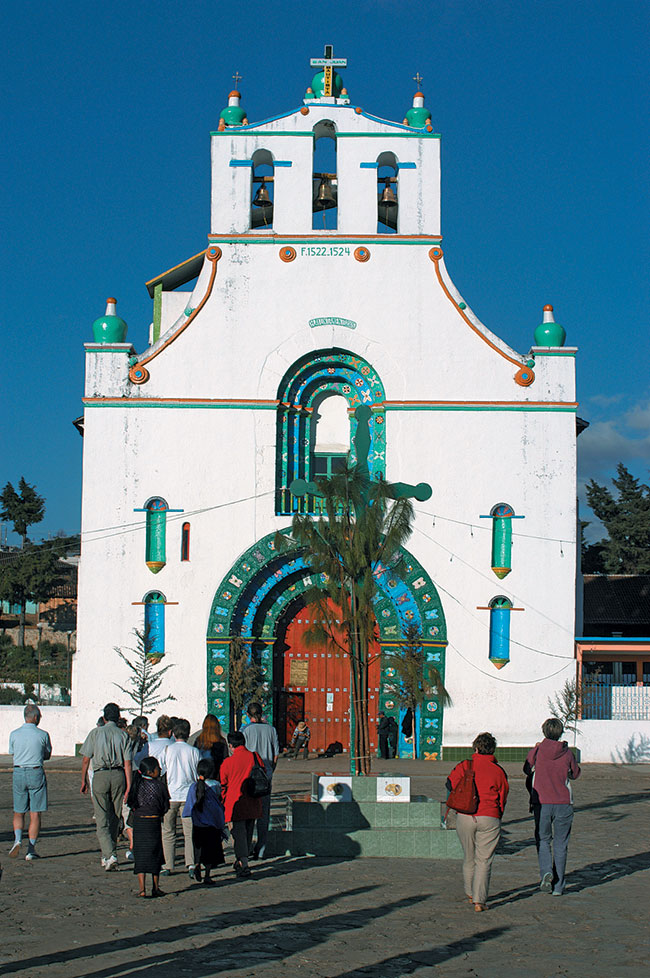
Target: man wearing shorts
(30,747)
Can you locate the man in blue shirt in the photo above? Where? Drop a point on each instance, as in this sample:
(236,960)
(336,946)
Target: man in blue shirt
(30,747)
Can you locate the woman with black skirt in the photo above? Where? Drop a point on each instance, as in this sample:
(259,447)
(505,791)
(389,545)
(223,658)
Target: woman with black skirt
(204,807)
(149,802)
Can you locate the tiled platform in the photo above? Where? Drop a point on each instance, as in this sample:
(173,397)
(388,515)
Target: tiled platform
(362,827)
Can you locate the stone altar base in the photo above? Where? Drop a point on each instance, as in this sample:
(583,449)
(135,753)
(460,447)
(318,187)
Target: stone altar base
(343,817)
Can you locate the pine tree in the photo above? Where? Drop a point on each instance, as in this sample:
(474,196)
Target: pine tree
(145,678)
(626,517)
(23,508)
(416,678)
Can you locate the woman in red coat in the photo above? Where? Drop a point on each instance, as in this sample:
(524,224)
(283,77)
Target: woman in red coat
(241,810)
(479,833)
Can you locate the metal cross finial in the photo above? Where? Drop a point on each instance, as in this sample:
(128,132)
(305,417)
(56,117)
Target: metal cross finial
(418,79)
(237,78)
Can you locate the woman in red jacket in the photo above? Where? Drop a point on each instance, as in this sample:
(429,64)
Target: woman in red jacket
(241,810)
(479,833)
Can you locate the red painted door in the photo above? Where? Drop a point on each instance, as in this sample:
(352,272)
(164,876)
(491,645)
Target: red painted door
(323,676)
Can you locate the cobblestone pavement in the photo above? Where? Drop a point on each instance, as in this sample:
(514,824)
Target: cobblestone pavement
(63,915)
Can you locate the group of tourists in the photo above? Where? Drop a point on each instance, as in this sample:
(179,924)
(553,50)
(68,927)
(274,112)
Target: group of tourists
(219,787)
(478,791)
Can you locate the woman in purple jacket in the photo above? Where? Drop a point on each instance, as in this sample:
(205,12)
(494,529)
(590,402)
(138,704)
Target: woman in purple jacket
(551,765)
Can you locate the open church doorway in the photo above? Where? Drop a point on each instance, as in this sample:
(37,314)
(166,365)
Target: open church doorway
(314,680)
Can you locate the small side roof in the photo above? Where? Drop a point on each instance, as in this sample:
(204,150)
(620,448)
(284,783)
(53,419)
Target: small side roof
(178,275)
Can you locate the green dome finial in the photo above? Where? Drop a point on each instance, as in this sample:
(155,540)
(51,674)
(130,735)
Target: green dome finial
(549,333)
(418,117)
(109,328)
(233,114)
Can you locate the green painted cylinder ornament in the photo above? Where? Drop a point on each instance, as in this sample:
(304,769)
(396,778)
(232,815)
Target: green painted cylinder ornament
(549,333)
(502,539)
(109,328)
(156,532)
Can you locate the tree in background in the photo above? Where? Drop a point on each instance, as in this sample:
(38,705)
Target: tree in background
(626,517)
(22,508)
(245,677)
(415,677)
(145,676)
(29,575)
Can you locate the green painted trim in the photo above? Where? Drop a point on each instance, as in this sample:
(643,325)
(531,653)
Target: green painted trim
(133,402)
(157,310)
(340,135)
(141,402)
(478,407)
(386,239)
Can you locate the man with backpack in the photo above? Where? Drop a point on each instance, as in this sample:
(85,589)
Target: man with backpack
(261,738)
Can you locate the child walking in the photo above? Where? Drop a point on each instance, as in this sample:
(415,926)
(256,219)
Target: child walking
(149,802)
(203,806)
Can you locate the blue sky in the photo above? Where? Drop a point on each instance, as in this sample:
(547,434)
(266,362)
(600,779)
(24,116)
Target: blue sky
(543,111)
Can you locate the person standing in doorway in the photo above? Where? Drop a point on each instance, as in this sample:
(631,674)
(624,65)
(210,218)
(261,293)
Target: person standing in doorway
(110,751)
(180,762)
(30,747)
(261,738)
(552,766)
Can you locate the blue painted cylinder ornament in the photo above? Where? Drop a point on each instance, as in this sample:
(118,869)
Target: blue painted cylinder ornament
(500,609)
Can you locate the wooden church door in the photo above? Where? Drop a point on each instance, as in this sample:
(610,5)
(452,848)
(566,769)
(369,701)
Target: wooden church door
(317,680)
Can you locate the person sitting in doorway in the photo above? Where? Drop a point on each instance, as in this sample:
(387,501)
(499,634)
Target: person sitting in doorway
(300,741)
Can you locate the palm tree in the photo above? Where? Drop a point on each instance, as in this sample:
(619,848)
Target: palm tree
(416,677)
(361,523)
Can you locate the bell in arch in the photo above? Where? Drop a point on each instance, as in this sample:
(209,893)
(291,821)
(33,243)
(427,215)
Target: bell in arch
(325,197)
(261,198)
(388,198)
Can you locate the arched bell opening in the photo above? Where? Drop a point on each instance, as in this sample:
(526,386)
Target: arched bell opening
(262,189)
(324,178)
(330,435)
(387,193)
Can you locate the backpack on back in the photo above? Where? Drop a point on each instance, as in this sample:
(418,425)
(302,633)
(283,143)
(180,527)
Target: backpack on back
(464,797)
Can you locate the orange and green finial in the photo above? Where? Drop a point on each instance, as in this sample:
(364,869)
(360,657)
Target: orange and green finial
(233,114)
(549,333)
(418,116)
(109,328)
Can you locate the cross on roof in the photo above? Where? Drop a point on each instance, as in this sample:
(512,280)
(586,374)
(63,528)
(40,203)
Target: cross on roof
(328,60)
(237,78)
(418,79)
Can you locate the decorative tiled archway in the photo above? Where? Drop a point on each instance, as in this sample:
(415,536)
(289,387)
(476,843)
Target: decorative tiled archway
(305,384)
(264,584)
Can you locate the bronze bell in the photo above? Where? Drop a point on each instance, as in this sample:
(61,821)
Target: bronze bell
(325,197)
(388,198)
(261,198)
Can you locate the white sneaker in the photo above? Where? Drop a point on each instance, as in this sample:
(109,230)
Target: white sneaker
(130,858)
(32,854)
(14,852)
(110,863)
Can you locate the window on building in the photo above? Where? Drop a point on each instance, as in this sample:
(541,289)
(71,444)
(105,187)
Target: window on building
(185,541)
(154,624)
(156,529)
(262,189)
(325,180)
(500,609)
(387,194)
(330,435)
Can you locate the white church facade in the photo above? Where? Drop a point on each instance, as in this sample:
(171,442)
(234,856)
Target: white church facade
(322,288)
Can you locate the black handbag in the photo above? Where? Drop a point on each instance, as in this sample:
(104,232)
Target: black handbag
(258,783)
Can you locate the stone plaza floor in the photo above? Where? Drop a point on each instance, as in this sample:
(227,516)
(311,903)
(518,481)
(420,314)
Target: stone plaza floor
(62,915)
